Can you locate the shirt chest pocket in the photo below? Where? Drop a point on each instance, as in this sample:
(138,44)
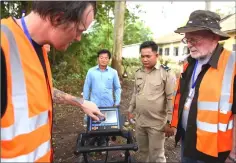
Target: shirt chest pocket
(139,84)
(109,83)
(154,87)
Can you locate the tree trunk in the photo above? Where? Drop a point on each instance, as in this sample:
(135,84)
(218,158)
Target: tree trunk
(118,36)
(207,5)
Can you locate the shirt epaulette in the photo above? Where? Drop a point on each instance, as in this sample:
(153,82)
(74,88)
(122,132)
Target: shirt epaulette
(165,67)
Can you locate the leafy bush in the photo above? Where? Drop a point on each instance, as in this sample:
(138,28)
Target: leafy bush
(131,62)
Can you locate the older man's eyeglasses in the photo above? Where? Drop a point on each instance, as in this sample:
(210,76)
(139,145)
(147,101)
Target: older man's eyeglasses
(192,41)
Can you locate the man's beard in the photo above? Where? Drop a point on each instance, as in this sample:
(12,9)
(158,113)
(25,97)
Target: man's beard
(201,56)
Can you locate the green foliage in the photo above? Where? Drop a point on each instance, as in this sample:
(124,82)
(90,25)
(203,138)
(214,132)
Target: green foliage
(130,66)
(14,8)
(136,32)
(69,68)
(105,8)
(10,9)
(129,62)
(101,37)
(165,61)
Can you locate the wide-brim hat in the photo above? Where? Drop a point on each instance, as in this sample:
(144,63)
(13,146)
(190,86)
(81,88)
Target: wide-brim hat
(203,20)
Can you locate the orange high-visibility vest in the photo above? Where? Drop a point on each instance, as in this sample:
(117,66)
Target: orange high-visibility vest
(26,124)
(214,116)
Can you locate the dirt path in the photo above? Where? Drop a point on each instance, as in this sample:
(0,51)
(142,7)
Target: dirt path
(68,123)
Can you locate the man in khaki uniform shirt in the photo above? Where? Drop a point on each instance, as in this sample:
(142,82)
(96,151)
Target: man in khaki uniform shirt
(152,102)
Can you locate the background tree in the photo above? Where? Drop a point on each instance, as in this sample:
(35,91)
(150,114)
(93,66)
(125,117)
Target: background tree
(70,67)
(118,36)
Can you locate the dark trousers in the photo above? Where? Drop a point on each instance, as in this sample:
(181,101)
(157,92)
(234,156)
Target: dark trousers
(187,159)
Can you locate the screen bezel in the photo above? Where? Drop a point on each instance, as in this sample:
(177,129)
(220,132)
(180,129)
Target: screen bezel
(107,109)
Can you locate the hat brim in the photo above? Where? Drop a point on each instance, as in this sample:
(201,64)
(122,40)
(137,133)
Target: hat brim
(223,36)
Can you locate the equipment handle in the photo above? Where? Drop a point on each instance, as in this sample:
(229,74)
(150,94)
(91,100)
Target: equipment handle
(133,147)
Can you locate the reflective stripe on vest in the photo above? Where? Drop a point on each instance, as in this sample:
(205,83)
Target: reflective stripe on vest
(214,127)
(23,124)
(32,156)
(223,106)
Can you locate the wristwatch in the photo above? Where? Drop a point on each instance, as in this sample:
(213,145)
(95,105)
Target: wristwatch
(168,122)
